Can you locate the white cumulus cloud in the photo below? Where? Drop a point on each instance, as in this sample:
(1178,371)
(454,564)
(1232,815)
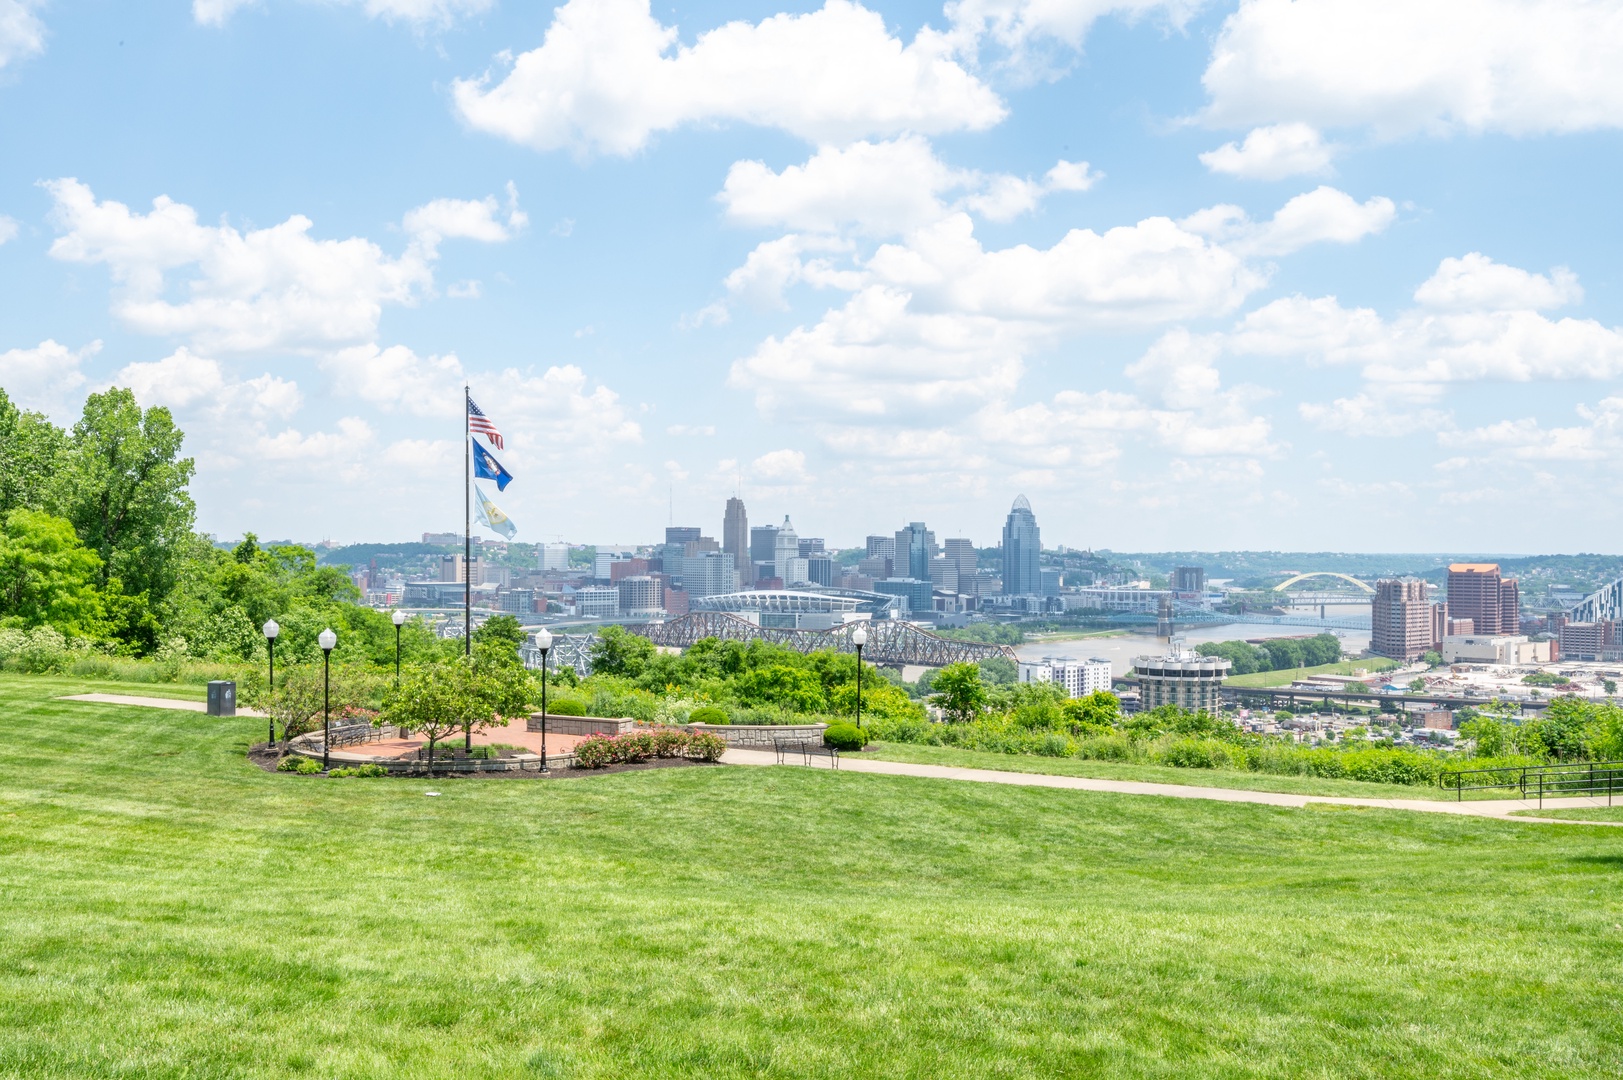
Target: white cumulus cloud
(1323,215)
(608,76)
(185,381)
(1503,338)
(21,33)
(1402,66)
(1476,282)
(467,219)
(45,377)
(1273,153)
(883,188)
(272,288)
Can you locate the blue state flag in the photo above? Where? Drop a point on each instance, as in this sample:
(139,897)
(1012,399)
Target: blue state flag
(492,518)
(486,467)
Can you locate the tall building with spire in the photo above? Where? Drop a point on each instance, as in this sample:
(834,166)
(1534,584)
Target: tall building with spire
(1022,551)
(735,536)
(786,549)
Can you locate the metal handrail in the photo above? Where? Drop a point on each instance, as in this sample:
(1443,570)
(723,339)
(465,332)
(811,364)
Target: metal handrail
(1572,777)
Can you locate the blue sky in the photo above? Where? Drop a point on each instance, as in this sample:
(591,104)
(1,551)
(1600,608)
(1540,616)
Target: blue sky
(1330,274)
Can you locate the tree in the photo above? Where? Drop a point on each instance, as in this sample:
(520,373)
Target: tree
(498,639)
(31,450)
(487,693)
(1432,659)
(425,702)
(618,652)
(123,486)
(1488,733)
(959,691)
(1610,686)
(1417,686)
(46,576)
(781,684)
(1096,714)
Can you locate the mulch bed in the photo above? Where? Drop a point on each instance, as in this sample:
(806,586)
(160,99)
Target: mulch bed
(266,756)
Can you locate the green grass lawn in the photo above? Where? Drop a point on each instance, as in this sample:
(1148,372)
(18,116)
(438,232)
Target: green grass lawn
(1289,675)
(168,911)
(1163,774)
(1577,813)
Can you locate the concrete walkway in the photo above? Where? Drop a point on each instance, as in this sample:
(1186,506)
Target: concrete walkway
(153,703)
(1488,808)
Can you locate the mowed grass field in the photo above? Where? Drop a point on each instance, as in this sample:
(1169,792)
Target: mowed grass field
(168,911)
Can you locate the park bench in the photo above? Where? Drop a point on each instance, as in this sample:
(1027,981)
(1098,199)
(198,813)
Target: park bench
(806,750)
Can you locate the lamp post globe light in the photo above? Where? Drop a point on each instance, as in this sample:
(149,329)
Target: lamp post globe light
(859,638)
(399,620)
(543,641)
(271,630)
(328,640)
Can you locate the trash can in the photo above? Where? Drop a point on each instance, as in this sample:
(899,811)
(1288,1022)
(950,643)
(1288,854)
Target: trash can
(222,698)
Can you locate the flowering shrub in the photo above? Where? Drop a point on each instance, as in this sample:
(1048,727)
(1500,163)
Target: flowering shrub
(601,750)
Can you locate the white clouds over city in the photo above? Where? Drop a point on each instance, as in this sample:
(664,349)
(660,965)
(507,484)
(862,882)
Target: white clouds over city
(609,75)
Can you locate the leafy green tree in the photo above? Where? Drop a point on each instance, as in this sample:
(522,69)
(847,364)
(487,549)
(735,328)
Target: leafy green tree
(619,652)
(1097,713)
(1610,686)
(123,485)
(46,576)
(1417,686)
(497,640)
(880,699)
(1490,735)
(780,684)
(959,691)
(32,450)
(427,703)
(1432,659)
(999,671)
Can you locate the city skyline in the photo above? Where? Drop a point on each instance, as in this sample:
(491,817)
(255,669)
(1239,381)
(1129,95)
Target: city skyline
(1121,257)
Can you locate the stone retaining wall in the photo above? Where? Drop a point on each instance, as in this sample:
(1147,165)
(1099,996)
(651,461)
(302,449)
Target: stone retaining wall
(762,735)
(581,725)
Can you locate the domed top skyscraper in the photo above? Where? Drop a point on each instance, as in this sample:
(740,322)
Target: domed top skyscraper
(1022,551)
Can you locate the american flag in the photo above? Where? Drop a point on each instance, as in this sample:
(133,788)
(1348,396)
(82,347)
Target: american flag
(479,424)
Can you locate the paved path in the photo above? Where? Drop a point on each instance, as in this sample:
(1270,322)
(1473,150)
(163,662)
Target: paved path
(153,702)
(1489,808)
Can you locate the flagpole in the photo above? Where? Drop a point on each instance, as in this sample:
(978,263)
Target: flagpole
(467,526)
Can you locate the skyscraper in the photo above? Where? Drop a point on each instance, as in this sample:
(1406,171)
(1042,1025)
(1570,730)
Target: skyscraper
(1401,619)
(735,534)
(786,549)
(1477,592)
(1022,551)
(915,547)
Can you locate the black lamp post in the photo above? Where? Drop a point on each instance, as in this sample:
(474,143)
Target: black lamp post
(859,638)
(399,620)
(271,630)
(327,640)
(543,641)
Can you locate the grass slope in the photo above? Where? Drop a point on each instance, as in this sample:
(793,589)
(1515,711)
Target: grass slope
(1165,774)
(1286,676)
(1576,813)
(168,911)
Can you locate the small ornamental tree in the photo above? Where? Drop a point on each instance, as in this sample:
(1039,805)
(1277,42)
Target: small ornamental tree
(959,691)
(487,692)
(426,702)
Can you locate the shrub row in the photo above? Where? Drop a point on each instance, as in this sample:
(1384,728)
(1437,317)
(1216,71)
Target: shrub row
(663,742)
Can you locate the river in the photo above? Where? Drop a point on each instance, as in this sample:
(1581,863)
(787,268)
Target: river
(1121,649)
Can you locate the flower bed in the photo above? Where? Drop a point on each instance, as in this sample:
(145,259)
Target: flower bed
(658,742)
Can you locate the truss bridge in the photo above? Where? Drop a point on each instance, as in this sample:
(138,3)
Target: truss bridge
(891,642)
